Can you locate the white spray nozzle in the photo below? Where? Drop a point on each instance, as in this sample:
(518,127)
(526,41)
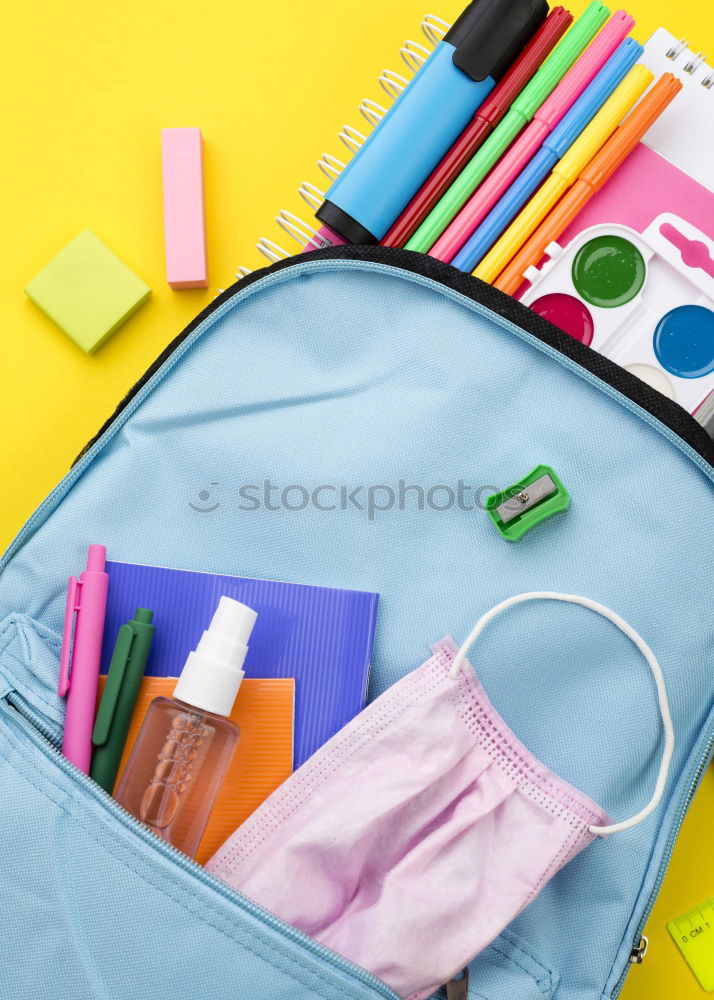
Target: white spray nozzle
(213,672)
(229,631)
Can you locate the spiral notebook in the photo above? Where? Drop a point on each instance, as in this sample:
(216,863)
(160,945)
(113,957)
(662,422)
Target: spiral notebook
(684,134)
(320,636)
(306,235)
(678,136)
(671,171)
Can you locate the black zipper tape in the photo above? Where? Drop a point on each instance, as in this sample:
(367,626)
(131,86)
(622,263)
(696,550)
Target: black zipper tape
(670,414)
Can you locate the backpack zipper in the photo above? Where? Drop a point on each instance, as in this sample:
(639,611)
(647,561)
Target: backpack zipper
(653,402)
(457,988)
(48,740)
(675,421)
(637,955)
(640,943)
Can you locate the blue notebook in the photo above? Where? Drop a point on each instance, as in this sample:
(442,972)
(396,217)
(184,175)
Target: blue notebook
(320,636)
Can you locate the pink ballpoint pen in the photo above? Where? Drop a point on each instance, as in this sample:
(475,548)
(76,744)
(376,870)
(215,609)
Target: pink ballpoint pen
(87,599)
(544,121)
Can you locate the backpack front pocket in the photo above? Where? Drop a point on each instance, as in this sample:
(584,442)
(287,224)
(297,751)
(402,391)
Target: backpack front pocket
(95,905)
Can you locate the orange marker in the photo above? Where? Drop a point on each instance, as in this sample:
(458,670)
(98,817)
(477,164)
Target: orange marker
(591,179)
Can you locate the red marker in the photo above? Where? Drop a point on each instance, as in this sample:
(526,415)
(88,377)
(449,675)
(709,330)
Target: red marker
(476,132)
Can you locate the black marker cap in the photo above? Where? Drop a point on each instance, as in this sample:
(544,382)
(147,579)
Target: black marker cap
(491,33)
(340,222)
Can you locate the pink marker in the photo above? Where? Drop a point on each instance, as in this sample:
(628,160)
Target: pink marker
(87,599)
(324,237)
(553,109)
(184,220)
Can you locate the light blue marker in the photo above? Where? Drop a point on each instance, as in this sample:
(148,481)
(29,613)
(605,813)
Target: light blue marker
(555,146)
(428,117)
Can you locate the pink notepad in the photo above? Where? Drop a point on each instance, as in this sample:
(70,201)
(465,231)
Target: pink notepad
(645,186)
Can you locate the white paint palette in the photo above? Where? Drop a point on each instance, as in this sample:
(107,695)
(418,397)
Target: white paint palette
(644,300)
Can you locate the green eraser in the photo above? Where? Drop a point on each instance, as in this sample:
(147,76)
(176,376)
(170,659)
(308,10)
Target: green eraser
(522,506)
(87,291)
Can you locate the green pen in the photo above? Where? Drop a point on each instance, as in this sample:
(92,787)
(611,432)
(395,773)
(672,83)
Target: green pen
(519,114)
(131,651)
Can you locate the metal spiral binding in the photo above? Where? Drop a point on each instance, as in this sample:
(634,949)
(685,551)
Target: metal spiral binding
(393,84)
(434,28)
(414,55)
(372,111)
(311,194)
(302,232)
(352,138)
(271,250)
(330,166)
(241,272)
(676,50)
(693,65)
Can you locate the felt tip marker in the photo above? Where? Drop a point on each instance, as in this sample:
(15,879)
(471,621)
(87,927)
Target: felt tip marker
(565,172)
(480,127)
(428,117)
(546,118)
(519,114)
(324,237)
(593,176)
(554,147)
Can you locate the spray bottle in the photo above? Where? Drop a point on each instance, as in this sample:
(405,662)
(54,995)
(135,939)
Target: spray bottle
(186,743)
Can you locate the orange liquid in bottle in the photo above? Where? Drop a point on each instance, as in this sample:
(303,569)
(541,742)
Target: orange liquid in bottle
(176,770)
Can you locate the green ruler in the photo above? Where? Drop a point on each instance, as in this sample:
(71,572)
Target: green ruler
(693,933)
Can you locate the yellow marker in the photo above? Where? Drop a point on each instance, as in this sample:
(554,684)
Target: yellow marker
(565,172)
(693,933)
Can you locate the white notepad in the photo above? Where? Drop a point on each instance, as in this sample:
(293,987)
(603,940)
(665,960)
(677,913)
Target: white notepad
(684,133)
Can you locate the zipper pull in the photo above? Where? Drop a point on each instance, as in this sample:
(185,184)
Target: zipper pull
(639,951)
(458,987)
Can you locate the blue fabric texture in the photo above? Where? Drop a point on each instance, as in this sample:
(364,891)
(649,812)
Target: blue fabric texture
(407,404)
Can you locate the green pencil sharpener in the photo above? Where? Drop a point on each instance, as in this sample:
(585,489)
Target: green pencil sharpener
(522,506)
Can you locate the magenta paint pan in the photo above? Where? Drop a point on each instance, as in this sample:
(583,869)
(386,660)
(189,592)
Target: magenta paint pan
(644,300)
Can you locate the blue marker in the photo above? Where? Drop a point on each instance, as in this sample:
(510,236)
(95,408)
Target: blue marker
(428,117)
(555,146)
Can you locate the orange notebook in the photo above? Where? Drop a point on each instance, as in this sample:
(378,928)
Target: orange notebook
(264,710)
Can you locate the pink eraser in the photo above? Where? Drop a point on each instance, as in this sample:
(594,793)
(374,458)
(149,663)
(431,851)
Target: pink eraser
(184,218)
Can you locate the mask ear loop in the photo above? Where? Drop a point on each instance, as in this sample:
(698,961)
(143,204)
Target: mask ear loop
(633,636)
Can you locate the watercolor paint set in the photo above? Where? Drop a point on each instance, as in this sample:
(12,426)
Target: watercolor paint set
(644,300)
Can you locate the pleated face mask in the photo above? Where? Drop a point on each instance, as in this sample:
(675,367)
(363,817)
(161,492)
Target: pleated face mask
(414,837)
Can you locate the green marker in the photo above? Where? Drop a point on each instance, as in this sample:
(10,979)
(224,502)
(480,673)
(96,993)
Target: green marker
(131,651)
(520,113)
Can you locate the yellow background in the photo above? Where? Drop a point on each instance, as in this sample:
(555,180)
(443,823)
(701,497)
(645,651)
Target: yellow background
(86,89)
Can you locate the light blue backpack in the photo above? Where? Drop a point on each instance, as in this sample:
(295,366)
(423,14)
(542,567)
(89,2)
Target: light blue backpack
(369,368)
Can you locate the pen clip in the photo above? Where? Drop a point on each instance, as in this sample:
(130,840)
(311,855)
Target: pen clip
(113,685)
(63,680)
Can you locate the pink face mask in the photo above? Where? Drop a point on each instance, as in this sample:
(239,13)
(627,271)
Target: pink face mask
(414,837)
